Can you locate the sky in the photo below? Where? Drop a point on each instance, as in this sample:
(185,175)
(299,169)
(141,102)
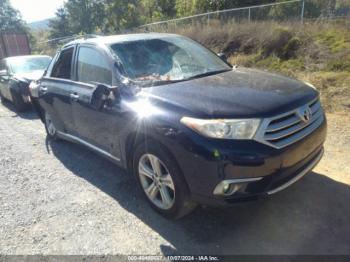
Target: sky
(35,10)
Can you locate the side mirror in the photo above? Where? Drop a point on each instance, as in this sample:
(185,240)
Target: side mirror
(99,97)
(223,57)
(102,95)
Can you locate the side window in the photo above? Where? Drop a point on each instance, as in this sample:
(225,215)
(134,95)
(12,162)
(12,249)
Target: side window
(93,67)
(52,63)
(63,65)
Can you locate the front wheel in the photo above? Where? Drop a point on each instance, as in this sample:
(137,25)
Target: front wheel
(162,181)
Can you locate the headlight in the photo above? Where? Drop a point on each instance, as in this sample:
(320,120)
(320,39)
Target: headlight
(223,128)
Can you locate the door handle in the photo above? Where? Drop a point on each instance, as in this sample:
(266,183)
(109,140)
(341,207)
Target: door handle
(74,97)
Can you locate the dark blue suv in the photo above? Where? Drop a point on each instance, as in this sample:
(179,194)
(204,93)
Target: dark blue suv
(189,126)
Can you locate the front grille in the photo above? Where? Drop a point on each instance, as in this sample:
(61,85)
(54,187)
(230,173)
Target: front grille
(287,128)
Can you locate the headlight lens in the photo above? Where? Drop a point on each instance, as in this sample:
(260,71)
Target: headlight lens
(223,128)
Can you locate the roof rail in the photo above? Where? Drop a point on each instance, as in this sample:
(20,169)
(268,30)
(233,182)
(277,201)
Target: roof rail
(67,39)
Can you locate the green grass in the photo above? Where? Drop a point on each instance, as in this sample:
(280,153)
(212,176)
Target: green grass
(315,52)
(336,39)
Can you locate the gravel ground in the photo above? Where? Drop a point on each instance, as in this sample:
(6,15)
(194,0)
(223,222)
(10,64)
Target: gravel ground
(59,198)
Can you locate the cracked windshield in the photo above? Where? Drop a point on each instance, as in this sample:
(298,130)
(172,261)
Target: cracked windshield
(167,59)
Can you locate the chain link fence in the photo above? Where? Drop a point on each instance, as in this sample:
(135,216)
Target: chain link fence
(274,11)
(293,10)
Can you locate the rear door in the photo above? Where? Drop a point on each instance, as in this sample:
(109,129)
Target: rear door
(97,127)
(55,89)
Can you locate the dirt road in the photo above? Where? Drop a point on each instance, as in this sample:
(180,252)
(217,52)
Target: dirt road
(59,198)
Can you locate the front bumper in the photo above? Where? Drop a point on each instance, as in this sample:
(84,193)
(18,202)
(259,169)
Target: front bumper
(282,183)
(275,183)
(269,169)
(264,186)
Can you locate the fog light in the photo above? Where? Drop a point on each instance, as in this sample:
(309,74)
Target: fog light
(231,186)
(230,189)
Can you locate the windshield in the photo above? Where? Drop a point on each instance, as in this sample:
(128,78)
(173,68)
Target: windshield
(166,59)
(24,65)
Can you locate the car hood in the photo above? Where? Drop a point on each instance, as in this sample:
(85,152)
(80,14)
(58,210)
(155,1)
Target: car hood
(28,77)
(241,93)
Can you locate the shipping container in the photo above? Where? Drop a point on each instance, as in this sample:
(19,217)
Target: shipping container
(14,44)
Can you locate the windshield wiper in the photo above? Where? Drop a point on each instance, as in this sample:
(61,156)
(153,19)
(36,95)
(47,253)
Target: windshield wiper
(164,82)
(154,82)
(209,73)
(157,82)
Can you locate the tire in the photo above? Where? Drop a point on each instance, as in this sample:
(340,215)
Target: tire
(50,128)
(180,203)
(20,106)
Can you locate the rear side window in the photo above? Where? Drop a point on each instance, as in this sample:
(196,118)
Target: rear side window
(92,66)
(63,65)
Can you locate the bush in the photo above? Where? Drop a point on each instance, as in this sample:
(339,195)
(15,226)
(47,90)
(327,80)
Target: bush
(277,44)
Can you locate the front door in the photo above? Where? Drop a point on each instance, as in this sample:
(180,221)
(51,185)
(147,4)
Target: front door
(97,127)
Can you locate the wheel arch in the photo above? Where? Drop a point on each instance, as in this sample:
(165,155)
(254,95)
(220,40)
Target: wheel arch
(135,139)
(132,141)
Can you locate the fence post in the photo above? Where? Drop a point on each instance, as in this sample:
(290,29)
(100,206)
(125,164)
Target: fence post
(208,20)
(249,14)
(302,10)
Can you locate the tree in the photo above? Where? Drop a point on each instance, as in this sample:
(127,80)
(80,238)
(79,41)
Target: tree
(155,10)
(85,16)
(185,7)
(167,8)
(59,26)
(10,18)
(78,17)
(190,7)
(120,15)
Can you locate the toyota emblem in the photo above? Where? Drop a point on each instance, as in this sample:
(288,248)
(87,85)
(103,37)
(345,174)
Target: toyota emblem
(306,115)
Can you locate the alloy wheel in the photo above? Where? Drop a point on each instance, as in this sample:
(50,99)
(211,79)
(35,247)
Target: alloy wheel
(156,181)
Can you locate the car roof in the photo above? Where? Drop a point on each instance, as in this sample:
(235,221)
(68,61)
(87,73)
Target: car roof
(113,39)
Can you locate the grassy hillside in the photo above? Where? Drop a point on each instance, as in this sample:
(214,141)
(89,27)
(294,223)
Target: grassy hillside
(315,52)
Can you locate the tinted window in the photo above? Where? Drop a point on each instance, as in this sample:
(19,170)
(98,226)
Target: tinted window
(93,67)
(63,65)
